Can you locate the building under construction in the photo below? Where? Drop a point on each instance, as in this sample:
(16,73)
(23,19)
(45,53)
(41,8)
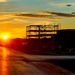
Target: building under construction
(41,31)
(40,38)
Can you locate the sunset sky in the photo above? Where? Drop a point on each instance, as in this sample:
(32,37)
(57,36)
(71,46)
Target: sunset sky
(15,25)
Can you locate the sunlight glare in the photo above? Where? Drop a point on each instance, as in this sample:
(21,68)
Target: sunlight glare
(5,37)
(4,64)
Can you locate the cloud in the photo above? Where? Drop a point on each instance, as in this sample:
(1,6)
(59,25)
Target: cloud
(32,15)
(20,20)
(42,22)
(8,0)
(61,4)
(9,17)
(6,17)
(14,22)
(42,13)
(59,14)
(51,17)
(3,0)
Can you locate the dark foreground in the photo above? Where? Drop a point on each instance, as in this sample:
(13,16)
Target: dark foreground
(67,64)
(16,63)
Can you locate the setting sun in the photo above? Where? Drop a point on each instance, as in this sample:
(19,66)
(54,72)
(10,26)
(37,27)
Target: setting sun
(5,36)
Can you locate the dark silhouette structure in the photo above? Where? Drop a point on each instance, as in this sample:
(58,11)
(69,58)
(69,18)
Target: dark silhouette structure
(65,40)
(41,31)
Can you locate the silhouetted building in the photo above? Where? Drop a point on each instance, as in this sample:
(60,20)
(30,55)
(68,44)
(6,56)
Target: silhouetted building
(65,39)
(41,31)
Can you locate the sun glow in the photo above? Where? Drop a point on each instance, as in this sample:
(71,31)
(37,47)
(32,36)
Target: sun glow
(5,39)
(5,36)
(4,63)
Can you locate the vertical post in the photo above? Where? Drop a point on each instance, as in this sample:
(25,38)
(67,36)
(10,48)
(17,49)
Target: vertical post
(26,31)
(39,32)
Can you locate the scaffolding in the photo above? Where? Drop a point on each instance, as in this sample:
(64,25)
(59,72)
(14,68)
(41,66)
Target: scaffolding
(41,31)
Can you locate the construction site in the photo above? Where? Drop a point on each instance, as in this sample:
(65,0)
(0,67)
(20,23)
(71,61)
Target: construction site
(50,39)
(41,31)
(45,39)
(41,38)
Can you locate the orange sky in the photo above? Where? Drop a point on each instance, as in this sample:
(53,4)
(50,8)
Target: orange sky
(15,26)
